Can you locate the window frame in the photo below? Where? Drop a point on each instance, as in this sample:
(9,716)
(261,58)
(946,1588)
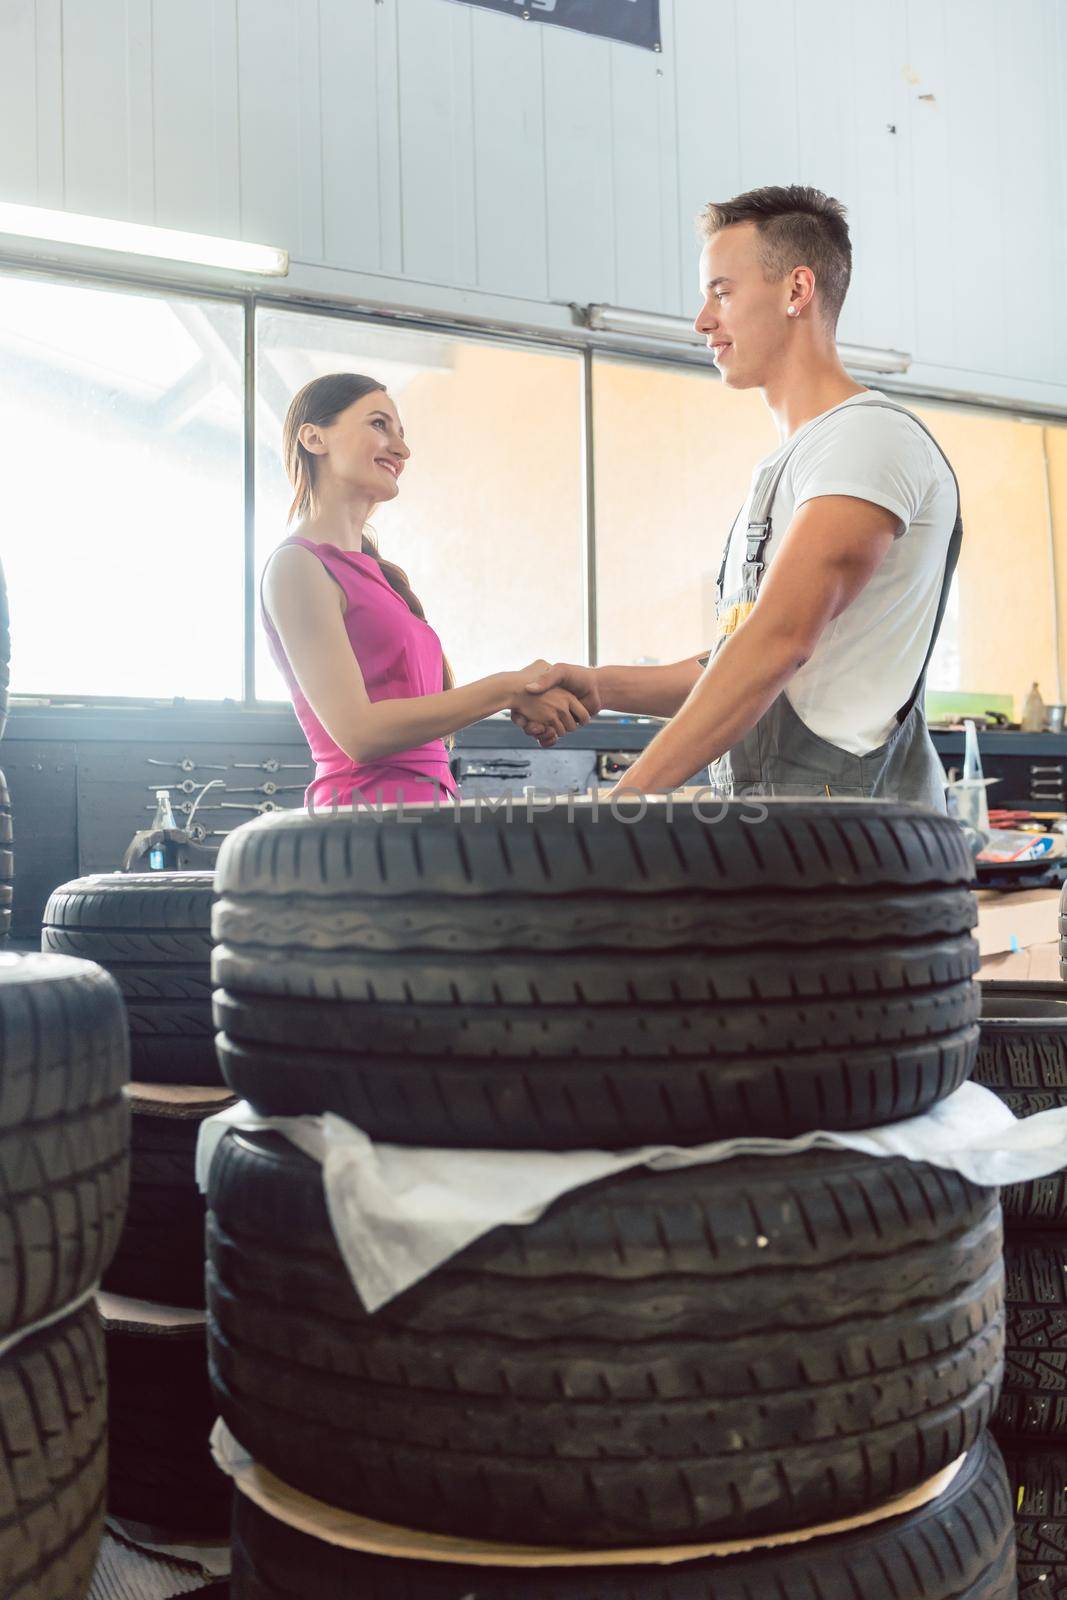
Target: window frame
(588,345)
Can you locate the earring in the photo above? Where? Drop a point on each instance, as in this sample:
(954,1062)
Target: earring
(792,311)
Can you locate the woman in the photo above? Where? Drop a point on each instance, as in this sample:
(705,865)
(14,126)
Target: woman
(368,679)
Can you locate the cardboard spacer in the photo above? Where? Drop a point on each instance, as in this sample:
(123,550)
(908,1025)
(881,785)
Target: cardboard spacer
(121,1313)
(192,1101)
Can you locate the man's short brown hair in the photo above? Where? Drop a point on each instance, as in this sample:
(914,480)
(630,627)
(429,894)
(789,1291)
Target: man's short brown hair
(798,227)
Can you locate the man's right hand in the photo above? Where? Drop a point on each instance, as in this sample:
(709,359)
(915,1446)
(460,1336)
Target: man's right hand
(579,681)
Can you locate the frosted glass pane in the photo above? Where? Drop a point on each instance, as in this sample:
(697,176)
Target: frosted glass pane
(121,428)
(674,454)
(488,522)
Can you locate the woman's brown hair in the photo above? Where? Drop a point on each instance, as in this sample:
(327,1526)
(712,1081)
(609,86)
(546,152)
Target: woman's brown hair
(321,402)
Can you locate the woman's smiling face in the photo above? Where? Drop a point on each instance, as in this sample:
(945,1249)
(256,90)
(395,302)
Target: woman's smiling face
(363,448)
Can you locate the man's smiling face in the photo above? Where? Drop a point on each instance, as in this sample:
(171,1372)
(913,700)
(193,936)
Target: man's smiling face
(743,318)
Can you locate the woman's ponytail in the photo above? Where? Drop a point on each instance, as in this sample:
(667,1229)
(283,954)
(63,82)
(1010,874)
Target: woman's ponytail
(397,579)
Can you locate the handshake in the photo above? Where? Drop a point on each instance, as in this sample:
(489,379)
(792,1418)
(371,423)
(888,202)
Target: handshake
(549,701)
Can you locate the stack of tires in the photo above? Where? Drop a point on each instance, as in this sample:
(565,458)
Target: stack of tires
(732,1351)
(1023,1058)
(64,1163)
(152,933)
(7,838)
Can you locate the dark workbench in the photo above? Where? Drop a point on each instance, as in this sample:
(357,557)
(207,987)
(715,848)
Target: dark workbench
(81,777)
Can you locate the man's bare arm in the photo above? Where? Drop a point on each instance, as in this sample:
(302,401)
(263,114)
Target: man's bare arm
(648,691)
(832,549)
(645,691)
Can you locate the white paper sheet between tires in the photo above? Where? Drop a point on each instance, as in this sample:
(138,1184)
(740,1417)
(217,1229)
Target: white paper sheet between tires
(398,1212)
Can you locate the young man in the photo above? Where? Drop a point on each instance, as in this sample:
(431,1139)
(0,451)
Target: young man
(836,571)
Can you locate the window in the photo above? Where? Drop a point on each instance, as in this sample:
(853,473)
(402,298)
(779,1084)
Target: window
(488,522)
(999,632)
(674,453)
(122,415)
(121,419)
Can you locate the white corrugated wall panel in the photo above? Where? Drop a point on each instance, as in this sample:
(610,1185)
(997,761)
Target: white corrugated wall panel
(644,177)
(767,100)
(464,151)
(579,166)
(96,107)
(437,143)
(1027,221)
(708,124)
(358,192)
(275,161)
(195,127)
(876,178)
(509,156)
(18,101)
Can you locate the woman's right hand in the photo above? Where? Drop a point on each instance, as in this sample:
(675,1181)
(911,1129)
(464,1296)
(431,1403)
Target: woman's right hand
(513,684)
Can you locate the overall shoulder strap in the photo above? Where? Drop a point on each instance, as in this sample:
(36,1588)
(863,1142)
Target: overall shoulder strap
(720,582)
(952,555)
(758,530)
(892,405)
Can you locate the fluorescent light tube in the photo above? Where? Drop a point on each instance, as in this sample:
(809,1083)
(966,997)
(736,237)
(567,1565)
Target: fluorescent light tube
(645,324)
(676,330)
(134,238)
(863,358)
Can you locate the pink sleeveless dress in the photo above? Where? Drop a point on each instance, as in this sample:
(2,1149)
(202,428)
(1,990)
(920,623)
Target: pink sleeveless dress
(400,657)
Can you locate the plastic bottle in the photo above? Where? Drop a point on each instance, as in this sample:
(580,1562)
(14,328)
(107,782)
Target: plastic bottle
(968,794)
(164,817)
(1033,719)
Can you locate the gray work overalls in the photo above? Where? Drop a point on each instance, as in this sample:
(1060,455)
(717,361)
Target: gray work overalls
(781,755)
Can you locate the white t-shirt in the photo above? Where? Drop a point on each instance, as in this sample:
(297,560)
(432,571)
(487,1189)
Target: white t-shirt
(865,665)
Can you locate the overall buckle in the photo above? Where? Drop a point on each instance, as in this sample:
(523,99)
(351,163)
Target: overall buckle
(755,539)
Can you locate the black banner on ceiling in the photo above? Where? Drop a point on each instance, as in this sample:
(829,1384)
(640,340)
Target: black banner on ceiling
(631,21)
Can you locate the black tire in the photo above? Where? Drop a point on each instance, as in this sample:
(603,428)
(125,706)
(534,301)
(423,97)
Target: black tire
(1033,1404)
(53,1460)
(559,1383)
(161,1253)
(7,861)
(813,970)
(434,983)
(565,1077)
(439,922)
(1038,1480)
(1022,1057)
(64,1132)
(160,1415)
(152,931)
(802,847)
(958,1547)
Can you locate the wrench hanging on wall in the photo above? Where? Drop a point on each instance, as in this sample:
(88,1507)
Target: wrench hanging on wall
(186,764)
(270,788)
(271,765)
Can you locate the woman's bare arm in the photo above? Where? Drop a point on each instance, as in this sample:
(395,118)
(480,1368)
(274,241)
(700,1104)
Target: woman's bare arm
(306,606)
